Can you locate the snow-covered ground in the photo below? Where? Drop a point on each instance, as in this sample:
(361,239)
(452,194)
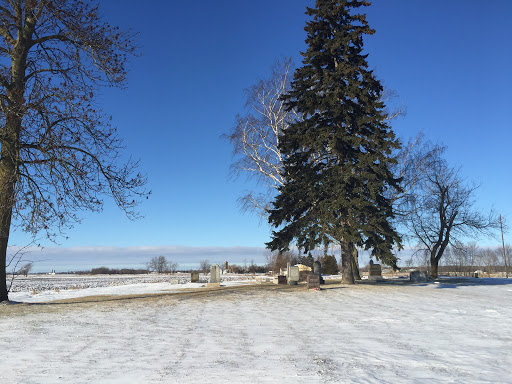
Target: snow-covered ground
(453,331)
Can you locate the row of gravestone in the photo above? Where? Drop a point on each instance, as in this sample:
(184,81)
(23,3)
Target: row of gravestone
(214,275)
(375,273)
(292,278)
(312,281)
(293,275)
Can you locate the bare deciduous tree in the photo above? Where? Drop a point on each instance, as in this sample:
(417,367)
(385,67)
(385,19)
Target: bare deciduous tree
(507,253)
(489,258)
(442,212)
(160,264)
(413,160)
(14,261)
(204,266)
(463,258)
(256,134)
(277,261)
(172,266)
(25,269)
(504,248)
(59,153)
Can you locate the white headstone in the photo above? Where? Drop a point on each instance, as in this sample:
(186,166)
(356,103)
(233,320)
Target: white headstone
(293,275)
(214,274)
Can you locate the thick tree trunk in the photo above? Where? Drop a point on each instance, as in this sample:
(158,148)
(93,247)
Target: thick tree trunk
(3,275)
(434,263)
(355,264)
(9,154)
(9,159)
(347,263)
(7,184)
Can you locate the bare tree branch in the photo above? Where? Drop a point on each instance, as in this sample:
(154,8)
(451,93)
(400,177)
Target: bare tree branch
(440,210)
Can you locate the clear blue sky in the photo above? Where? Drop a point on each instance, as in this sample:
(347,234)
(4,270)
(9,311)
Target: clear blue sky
(448,60)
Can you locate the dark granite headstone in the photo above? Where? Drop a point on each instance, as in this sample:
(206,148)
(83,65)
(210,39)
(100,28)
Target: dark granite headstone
(375,270)
(418,277)
(313,281)
(317,270)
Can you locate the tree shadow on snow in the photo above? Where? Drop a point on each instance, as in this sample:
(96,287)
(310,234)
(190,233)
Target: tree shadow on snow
(446,282)
(456,282)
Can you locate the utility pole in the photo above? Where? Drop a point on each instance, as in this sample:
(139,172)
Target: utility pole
(504,250)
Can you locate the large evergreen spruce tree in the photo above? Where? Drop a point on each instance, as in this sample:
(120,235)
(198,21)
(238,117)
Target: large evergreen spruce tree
(338,158)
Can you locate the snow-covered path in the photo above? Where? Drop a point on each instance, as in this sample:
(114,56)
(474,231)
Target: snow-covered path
(364,334)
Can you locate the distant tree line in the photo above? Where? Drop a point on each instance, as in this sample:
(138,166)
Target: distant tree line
(465,259)
(160,264)
(113,271)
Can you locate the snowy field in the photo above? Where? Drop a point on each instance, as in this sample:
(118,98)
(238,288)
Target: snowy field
(40,288)
(451,331)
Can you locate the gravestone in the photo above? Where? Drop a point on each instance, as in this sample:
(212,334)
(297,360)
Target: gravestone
(313,281)
(293,275)
(194,277)
(288,274)
(214,276)
(281,279)
(317,270)
(418,277)
(175,281)
(225,267)
(374,271)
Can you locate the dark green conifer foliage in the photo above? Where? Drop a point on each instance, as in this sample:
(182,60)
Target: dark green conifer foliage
(337,165)
(329,265)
